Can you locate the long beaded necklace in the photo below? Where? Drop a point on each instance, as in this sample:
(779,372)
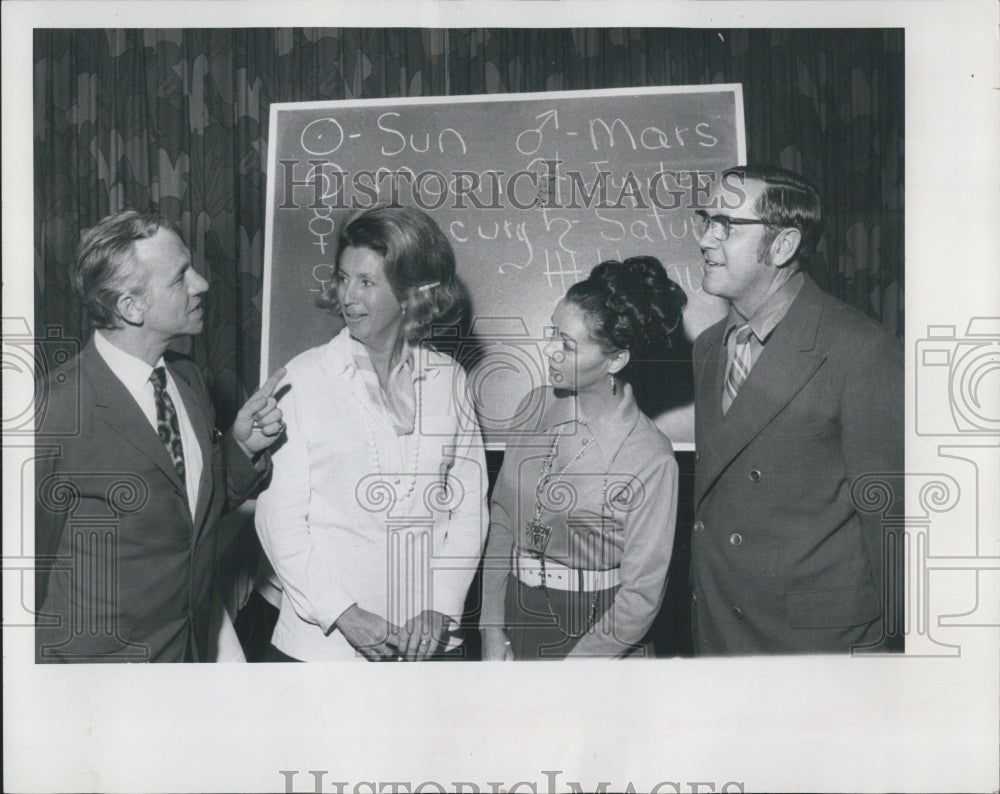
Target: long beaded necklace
(377,460)
(538,533)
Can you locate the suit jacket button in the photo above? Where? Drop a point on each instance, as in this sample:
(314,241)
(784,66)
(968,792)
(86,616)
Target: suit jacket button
(697,457)
(699,526)
(736,539)
(738,612)
(754,475)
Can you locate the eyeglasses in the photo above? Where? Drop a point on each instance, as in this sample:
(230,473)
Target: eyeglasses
(721,225)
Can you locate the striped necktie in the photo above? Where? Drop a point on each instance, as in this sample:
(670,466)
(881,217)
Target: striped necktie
(739,367)
(166,420)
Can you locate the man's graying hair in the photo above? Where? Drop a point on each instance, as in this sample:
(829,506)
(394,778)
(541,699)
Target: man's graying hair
(106,266)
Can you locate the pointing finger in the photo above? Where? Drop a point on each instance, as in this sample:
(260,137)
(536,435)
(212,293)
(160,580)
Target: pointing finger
(267,389)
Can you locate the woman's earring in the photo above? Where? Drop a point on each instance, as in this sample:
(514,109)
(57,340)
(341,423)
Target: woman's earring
(614,386)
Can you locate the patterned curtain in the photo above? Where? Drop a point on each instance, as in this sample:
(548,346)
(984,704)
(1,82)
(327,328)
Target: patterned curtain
(177,120)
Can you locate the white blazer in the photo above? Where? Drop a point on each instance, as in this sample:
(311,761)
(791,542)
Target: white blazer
(355,514)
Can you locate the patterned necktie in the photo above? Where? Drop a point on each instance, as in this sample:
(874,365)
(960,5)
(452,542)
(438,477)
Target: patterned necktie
(739,367)
(166,420)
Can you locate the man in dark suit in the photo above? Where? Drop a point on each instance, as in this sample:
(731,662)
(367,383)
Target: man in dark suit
(127,502)
(797,396)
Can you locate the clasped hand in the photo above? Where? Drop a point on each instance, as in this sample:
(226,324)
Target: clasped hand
(378,640)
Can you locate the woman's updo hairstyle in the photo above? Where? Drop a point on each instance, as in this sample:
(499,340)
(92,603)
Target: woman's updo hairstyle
(419,265)
(632,305)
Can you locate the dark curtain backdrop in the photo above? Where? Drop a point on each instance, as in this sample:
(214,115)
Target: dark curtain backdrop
(178,119)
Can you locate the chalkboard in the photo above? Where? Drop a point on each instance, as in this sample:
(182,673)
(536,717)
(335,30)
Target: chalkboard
(532,190)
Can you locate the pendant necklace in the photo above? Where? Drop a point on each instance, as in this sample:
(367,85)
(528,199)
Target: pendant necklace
(538,533)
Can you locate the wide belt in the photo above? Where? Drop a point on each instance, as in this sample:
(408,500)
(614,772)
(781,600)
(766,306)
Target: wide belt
(559,577)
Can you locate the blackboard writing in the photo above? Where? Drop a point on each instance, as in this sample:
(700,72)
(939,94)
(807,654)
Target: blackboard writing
(532,190)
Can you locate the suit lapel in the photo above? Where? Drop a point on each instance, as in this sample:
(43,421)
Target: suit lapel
(787,362)
(116,407)
(708,412)
(202,425)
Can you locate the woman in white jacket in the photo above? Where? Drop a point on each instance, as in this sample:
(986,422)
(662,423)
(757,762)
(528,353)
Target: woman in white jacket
(375,518)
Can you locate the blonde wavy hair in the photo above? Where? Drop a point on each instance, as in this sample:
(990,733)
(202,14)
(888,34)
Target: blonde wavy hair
(419,266)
